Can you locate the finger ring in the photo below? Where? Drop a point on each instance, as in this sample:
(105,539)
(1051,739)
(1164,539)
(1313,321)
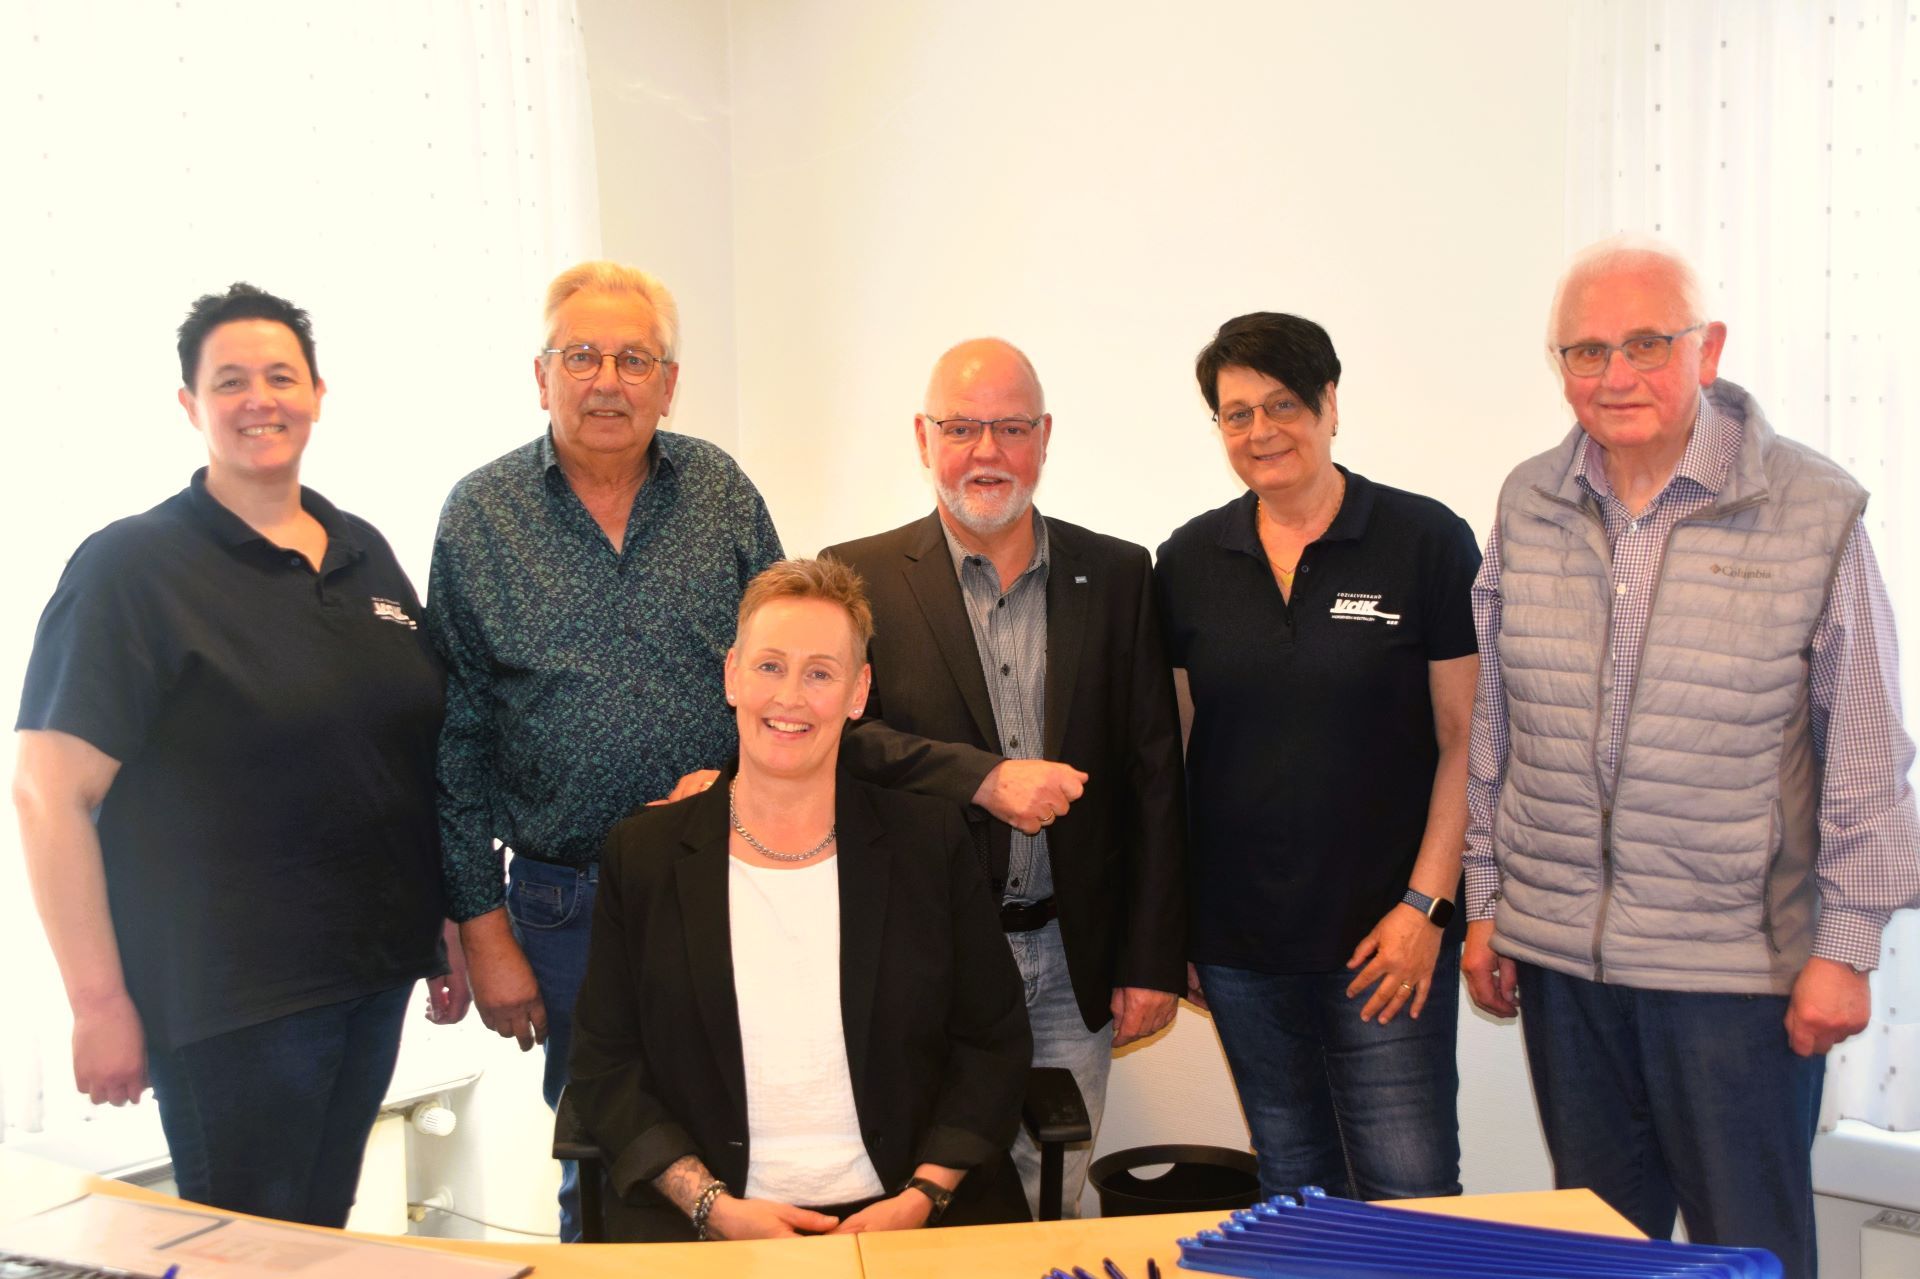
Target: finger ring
(1047,820)
(1406,986)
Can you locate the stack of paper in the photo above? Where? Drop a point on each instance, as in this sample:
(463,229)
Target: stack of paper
(1315,1236)
(195,1243)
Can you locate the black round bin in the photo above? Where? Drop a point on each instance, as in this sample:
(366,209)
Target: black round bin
(1200,1179)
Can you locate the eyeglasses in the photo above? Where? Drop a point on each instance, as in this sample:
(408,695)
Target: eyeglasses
(1282,410)
(584,361)
(1008,432)
(1647,352)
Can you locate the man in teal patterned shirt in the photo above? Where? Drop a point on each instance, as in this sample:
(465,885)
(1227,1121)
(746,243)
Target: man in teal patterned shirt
(582,594)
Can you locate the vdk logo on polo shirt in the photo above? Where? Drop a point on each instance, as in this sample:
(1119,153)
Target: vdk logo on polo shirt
(1349,606)
(390,611)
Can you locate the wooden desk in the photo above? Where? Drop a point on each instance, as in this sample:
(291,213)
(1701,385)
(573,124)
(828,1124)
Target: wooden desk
(29,1185)
(1029,1251)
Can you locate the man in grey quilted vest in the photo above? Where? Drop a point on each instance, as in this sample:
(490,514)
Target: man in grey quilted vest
(1689,809)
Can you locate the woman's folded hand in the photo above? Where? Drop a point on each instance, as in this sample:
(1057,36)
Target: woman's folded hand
(733,1218)
(907,1210)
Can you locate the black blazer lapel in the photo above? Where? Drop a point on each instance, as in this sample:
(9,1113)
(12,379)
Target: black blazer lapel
(865,871)
(1069,590)
(929,572)
(701,879)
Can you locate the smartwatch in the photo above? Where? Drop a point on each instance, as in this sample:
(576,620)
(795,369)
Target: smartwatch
(1438,910)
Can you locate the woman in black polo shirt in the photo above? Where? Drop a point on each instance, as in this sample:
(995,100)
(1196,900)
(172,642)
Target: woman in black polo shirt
(225,785)
(1321,627)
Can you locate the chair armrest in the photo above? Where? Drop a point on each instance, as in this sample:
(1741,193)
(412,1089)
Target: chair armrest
(1053,1110)
(570,1140)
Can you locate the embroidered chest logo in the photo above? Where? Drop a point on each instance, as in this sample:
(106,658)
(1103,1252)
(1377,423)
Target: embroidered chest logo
(1740,573)
(1349,606)
(389,611)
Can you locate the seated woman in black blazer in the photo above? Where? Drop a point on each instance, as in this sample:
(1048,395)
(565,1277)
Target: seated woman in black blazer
(799,1014)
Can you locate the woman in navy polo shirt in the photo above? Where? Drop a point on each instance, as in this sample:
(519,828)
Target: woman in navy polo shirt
(1321,627)
(225,786)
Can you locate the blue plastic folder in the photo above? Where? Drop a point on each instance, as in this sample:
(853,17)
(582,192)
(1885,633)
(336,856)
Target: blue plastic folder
(1316,1236)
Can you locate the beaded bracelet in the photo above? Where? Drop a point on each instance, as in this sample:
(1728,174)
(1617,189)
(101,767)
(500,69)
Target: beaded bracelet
(703,1206)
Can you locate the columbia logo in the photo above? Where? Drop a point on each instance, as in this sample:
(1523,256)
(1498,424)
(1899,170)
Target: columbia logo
(1738,573)
(1349,607)
(389,611)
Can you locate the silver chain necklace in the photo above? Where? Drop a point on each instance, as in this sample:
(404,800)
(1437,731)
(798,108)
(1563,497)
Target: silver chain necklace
(733,814)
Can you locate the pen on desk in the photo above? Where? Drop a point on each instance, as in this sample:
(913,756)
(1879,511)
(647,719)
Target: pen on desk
(1080,1272)
(1153,1269)
(1113,1271)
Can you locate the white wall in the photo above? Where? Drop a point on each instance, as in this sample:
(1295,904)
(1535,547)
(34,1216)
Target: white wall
(658,76)
(1104,184)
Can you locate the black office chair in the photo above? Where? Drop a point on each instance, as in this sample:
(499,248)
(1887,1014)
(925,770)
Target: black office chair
(1053,1112)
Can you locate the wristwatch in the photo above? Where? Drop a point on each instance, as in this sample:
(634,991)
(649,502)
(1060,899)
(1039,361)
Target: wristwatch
(934,1191)
(1438,910)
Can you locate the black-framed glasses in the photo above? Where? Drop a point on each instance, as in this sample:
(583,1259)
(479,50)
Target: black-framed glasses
(1284,409)
(1009,432)
(1646,352)
(583,360)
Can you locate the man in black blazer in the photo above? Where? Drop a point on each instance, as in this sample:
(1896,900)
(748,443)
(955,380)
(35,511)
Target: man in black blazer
(1018,660)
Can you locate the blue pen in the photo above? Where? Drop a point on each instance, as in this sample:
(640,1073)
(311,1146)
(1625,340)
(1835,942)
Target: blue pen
(1113,1271)
(173,1271)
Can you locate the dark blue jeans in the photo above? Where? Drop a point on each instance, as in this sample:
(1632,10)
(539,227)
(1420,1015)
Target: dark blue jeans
(1364,1110)
(1659,1099)
(273,1119)
(551,908)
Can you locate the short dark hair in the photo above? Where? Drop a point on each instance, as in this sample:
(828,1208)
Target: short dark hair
(241,302)
(1286,348)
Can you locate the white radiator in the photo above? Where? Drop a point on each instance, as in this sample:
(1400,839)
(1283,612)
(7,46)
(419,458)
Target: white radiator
(1890,1246)
(380,1204)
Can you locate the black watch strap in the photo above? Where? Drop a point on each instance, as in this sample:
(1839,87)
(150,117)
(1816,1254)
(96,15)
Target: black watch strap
(934,1191)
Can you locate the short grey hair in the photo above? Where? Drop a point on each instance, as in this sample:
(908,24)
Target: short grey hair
(603,276)
(1625,251)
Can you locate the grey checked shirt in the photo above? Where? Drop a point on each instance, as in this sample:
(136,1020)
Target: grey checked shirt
(1010,634)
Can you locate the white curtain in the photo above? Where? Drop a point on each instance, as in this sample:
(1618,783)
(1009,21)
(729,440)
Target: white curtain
(410,171)
(1778,143)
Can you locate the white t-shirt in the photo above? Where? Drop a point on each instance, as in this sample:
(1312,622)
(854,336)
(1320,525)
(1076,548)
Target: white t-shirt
(803,1131)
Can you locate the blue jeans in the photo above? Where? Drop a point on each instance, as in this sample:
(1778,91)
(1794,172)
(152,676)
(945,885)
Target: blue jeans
(1659,1100)
(1060,1038)
(272,1119)
(551,908)
(1363,1110)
